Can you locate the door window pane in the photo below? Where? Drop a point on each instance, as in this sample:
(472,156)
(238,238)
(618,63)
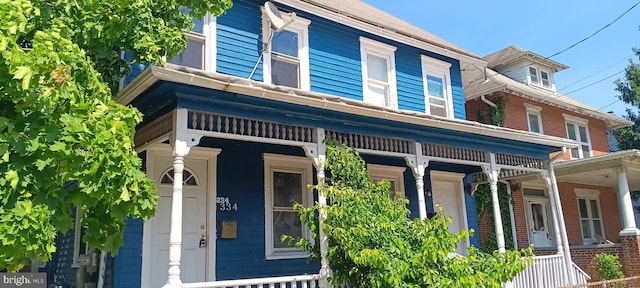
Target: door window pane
(538,220)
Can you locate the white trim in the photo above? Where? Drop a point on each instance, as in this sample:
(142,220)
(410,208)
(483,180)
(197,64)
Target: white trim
(441,69)
(577,123)
(458,179)
(539,69)
(299,26)
(293,164)
(210,42)
(391,173)
(77,238)
(529,218)
(587,195)
(571,118)
(372,47)
(200,153)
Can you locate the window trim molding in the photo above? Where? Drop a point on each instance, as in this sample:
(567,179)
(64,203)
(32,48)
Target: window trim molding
(577,121)
(389,172)
(539,69)
(369,46)
(279,162)
(537,110)
(436,67)
(589,194)
(301,27)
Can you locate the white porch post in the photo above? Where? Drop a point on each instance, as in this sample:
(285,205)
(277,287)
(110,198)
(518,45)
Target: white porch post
(418,165)
(626,206)
(318,153)
(554,211)
(563,229)
(182,143)
(492,173)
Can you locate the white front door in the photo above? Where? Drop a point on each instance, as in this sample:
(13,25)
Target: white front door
(447,193)
(194,257)
(539,228)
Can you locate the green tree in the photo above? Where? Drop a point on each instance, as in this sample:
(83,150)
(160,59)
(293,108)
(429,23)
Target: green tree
(629,89)
(63,140)
(373,243)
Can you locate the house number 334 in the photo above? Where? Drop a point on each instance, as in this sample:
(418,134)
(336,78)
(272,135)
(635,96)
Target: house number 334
(225,205)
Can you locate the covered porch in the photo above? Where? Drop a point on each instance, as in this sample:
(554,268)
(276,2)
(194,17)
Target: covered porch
(217,147)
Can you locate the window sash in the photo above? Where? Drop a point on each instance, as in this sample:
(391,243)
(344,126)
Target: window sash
(590,219)
(580,134)
(533,75)
(534,122)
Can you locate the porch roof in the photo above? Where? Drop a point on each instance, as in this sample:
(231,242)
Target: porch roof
(222,82)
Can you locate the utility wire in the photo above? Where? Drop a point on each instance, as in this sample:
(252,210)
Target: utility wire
(594,83)
(594,33)
(605,106)
(594,73)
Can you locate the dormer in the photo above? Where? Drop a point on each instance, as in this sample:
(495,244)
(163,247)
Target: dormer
(525,67)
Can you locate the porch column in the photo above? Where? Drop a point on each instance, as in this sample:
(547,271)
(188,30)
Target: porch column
(492,171)
(182,143)
(563,229)
(626,206)
(418,165)
(318,153)
(554,211)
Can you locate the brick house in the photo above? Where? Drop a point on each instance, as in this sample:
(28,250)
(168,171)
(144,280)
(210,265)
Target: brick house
(593,184)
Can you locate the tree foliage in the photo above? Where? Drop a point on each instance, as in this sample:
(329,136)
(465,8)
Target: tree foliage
(63,140)
(484,206)
(629,89)
(373,243)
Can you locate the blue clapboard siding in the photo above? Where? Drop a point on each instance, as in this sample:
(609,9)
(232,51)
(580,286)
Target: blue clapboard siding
(334,57)
(241,179)
(62,274)
(127,264)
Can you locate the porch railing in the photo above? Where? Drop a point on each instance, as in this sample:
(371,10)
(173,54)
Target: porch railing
(581,276)
(299,281)
(545,271)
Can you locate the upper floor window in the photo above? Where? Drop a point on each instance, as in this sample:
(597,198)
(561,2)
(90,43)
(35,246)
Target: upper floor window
(286,181)
(590,216)
(200,50)
(437,88)
(534,118)
(578,130)
(286,59)
(378,73)
(394,174)
(539,77)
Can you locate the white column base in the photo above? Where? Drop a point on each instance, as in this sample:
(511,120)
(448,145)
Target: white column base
(630,232)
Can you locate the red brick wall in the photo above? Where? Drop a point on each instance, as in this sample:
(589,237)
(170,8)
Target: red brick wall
(520,218)
(630,255)
(553,122)
(585,257)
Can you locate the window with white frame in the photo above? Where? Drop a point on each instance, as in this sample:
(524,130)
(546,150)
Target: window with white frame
(378,73)
(590,216)
(394,174)
(286,59)
(578,130)
(286,181)
(534,118)
(437,88)
(200,51)
(539,77)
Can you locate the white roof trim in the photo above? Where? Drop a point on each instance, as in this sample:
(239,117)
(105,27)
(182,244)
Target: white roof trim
(233,84)
(633,153)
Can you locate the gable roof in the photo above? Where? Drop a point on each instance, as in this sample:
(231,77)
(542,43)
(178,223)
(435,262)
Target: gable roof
(514,53)
(477,84)
(360,15)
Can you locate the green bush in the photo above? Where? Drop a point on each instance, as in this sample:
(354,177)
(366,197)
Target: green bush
(373,243)
(608,267)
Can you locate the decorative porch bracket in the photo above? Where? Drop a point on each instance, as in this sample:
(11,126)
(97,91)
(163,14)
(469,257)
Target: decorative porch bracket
(418,164)
(317,152)
(550,179)
(626,206)
(181,143)
(492,170)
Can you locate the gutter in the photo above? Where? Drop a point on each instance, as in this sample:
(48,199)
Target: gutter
(233,84)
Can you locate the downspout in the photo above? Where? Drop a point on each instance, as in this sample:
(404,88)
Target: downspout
(485,100)
(511,215)
(563,228)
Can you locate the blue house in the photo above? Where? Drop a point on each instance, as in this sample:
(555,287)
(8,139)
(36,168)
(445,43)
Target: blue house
(234,129)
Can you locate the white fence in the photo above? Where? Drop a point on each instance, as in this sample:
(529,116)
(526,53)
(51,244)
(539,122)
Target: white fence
(300,281)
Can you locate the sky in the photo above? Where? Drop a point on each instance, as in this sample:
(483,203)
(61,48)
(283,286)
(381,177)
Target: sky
(543,27)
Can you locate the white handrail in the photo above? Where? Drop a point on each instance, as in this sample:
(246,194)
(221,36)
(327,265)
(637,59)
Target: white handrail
(298,281)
